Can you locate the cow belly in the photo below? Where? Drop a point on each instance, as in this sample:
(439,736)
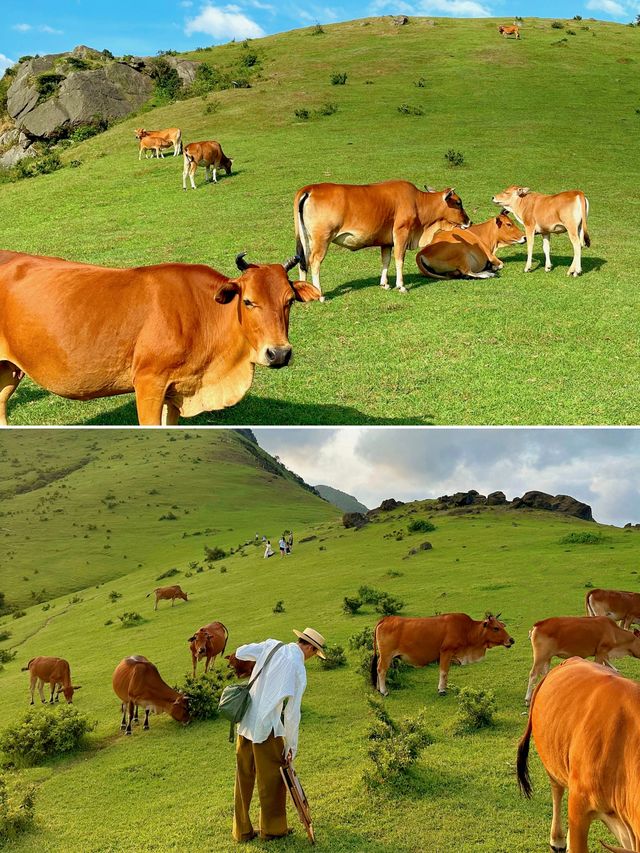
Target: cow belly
(468,657)
(352,241)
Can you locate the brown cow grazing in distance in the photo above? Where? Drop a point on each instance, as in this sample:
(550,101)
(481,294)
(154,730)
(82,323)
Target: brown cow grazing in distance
(469,253)
(53,671)
(172,135)
(578,636)
(166,593)
(622,607)
(155,144)
(509,31)
(208,642)
(450,638)
(185,338)
(394,215)
(136,681)
(586,727)
(207,154)
(242,668)
(565,212)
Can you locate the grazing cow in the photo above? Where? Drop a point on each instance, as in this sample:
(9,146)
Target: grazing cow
(136,681)
(155,144)
(547,215)
(208,642)
(164,593)
(622,607)
(586,727)
(53,671)
(450,638)
(207,154)
(394,215)
(469,253)
(509,31)
(242,668)
(173,135)
(578,636)
(183,337)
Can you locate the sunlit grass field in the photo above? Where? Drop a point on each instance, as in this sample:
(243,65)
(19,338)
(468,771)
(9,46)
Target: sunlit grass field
(552,111)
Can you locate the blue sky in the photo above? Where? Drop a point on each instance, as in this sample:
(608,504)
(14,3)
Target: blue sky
(146,26)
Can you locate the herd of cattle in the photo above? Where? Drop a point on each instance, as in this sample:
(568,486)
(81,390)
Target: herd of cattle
(583,716)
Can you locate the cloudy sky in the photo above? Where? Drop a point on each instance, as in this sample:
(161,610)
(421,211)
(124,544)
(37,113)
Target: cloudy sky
(147,26)
(598,466)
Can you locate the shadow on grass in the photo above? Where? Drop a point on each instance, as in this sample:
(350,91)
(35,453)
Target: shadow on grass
(412,282)
(589,263)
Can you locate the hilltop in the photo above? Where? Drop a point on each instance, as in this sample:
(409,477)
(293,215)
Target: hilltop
(343,500)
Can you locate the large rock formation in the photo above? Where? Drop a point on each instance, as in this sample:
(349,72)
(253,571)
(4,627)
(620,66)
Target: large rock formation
(560,503)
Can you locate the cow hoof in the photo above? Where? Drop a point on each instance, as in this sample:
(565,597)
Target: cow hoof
(384,286)
(558,849)
(321,299)
(402,289)
(527,269)
(128,733)
(145,728)
(442,692)
(548,269)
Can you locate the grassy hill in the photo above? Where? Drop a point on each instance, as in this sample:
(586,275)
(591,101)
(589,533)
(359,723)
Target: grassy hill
(556,110)
(172,787)
(343,500)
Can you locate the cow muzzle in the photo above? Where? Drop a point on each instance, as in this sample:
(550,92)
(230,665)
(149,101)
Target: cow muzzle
(278,356)
(509,643)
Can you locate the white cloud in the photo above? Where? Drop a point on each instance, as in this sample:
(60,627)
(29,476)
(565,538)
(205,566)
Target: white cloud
(186,4)
(22,28)
(222,23)
(610,7)
(447,8)
(41,28)
(50,30)
(5,63)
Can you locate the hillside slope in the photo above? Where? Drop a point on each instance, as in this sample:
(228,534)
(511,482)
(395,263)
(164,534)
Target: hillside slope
(556,110)
(343,500)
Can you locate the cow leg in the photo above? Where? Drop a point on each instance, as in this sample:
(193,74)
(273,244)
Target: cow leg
(206,664)
(539,668)
(558,837)
(10,376)
(130,720)
(192,170)
(445,663)
(580,819)
(399,251)
(194,660)
(145,726)
(41,690)
(136,721)
(386,260)
(530,234)
(150,396)
(170,414)
(215,175)
(155,605)
(207,174)
(546,248)
(32,687)
(317,254)
(576,267)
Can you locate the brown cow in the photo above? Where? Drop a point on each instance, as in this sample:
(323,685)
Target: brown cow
(622,607)
(207,154)
(208,642)
(183,337)
(166,593)
(471,252)
(509,31)
(449,638)
(173,135)
(136,681)
(394,215)
(155,144)
(53,671)
(547,215)
(242,668)
(585,724)
(578,636)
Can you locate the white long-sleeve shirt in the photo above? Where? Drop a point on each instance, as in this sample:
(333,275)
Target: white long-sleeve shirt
(284,678)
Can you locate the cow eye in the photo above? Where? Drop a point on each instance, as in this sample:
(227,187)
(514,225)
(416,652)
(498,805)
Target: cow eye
(496,629)
(249,303)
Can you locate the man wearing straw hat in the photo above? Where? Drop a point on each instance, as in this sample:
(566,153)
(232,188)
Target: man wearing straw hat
(267,737)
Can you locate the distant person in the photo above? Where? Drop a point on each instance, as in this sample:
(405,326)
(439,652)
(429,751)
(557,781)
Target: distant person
(264,538)
(257,537)
(267,737)
(283,546)
(268,551)
(290,542)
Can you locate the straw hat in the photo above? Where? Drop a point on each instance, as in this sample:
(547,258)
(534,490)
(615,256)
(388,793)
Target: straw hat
(313,638)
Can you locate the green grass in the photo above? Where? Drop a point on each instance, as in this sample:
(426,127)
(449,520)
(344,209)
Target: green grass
(535,349)
(172,787)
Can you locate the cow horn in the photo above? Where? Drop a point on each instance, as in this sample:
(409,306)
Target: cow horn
(498,615)
(429,189)
(241,263)
(291,263)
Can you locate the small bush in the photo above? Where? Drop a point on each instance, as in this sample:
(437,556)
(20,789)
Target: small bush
(335,657)
(369,595)
(16,810)
(114,596)
(351,605)
(571,32)
(6,655)
(166,80)
(407,110)
(302,113)
(109,622)
(170,573)
(131,619)
(204,692)
(420,525)
(577,17)
(18,614)
(389,605)
(420,83)
(393,574)
(249,60)
(5,635)
(223,570)
(583,538)
(394,747)
(338,79)
(327,109)
(31,168)
(318,30)
(475,710)
(44,733)
(588,585)
(73,164)
(557,25)
(47,84)
(454,158)
(278,607)
(168,516)
(212,107)
(211,555)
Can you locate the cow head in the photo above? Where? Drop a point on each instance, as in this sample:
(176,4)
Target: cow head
(68,692)
(140,132)
(510,198)
(508,233)
(495,633)
(264,296)
(446,206)
(226,164)
(182,595)
(180,709)
(200,640)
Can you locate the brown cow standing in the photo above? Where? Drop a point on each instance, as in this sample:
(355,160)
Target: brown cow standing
(450,638)
(53,671)
(394,215)
(173,135)
(578,636)
(183,337)
(509,31)
(207,154)
(622,607)
(166,593)
(242,668)
(153,144)
(208,642)
(136,681)
(585,723)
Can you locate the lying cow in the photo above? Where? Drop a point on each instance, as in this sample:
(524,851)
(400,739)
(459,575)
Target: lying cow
(622,607)
(586,728)
(578,636)
(183,337)
(394,215)
(208,642)
(207,154)
(242,668)
(52,671)
(450,638)
(136,681)
(564,212)
(167,593)
(173,135)
(153,144)
(509,31)
(469,253)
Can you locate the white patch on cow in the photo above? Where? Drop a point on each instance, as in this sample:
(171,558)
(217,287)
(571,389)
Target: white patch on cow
(349,240)
(469,656)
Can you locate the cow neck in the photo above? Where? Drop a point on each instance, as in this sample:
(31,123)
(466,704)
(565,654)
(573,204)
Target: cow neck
(481,231)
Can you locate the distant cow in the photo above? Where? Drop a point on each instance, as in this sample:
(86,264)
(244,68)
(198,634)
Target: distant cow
(547,215)
(173,135)
(53,671)
(207,154)
(394,215)
(622,607)
(509,31)
(471,252)
(185,338)
(578,636)
(586,727)
(208,642)
(450,638)
(136,681)
(164,593)
(155,144)
(242,668)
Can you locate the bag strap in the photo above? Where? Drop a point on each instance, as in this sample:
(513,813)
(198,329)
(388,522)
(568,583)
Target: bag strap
(264,665)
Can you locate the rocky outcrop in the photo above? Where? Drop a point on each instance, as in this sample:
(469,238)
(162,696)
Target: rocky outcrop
(354,519)
(560,503)
(496,499)
(386,506)
(186,69)
(470,498)
(14,147)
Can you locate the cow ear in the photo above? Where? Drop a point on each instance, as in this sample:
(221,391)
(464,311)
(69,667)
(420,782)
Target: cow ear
(499,220)
(522,191)
(227,292)
(305,292)
(448,193)
(191,639)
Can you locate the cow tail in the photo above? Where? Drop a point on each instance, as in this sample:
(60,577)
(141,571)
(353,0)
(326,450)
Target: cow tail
(226,638)
(426,270)
(522,763)
(582,229)
(590,610)
(179,142)
(26,668)
(301,233)
(374,659)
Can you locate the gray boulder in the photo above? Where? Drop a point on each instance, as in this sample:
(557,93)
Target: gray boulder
(560,503)
(496,499)
(186,69)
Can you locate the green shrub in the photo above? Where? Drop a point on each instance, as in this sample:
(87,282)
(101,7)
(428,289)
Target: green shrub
(6,655)
(394,747)
(557,25)
(47,84)
(318,30)
(73,164)
(77,64)
(170,573)
(454,158)
(44,733)
(393,574)
(362,644)
(16,810)
(44,165)
(421,83)
(114,596)
(407,110)
(167,83)
(211,555)
(420,525)
(475,710)
(278,607)
(327,109)
(389,605)
(335,657)
(577,17)
(370,595)
(86,131)
(212,107)
(249,60)
(302,113)
(351,605)
(204,692)
(338,79)
(18,614)
(130,619)
(584,537)
(5,635)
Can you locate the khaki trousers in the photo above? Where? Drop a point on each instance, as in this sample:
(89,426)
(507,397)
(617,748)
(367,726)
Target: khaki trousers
(260,762)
